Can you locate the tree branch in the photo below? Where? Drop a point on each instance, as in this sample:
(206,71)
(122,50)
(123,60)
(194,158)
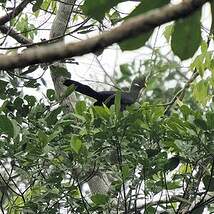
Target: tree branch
(14,12)
(131,28)
(15,35)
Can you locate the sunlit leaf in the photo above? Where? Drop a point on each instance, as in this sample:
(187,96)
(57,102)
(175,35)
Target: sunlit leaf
(76,144)
(80,107)
(200,91)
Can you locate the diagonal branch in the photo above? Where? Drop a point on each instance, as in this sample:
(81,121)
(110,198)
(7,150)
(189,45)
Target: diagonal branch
(131,28)
(15,35)
(180,94)
(14,12)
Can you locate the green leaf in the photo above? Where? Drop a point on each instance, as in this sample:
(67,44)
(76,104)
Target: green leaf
(150,210)
(157,112)
(49,4)
(76,144)
(198,64)
(100,199)
(69,90)
(136,42)
(15,128)
(125,70)
(37,5)
(60,71)
(31,84)
(126,172)
(210,120)
(147,5)
(51,94)
(18,102)
(208,183)
(173,185)
(168,32)
(51,119)
(204,47)
(3,85)
(103,112)
(115,17)
(6,126)
(139,41)
(186,111)
(152,152)
(200,91)
(30,99)
(117,102)
(198,210)
(43,138)
(200,123)
(186,39)
(203,61)
(80,107)
(97,9)
(185,169)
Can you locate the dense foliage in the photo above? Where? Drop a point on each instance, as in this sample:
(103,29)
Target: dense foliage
(158,154)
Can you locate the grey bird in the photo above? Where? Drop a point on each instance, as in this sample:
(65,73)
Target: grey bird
(108,97)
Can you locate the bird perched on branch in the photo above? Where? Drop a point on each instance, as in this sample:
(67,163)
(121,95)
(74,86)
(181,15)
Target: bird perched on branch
(108,97)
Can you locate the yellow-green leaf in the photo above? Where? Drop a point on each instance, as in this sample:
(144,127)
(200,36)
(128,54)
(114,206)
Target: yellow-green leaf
(76,144)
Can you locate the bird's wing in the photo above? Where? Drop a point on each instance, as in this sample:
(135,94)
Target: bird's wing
(83,89)
(107,97)
(126,98)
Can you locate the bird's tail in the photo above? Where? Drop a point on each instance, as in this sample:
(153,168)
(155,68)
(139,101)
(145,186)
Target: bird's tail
(83,89)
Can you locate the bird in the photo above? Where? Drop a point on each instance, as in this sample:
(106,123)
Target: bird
(108,97)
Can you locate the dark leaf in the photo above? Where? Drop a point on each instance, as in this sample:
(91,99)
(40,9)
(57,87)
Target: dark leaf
(51,94)
(97,9)
(37,5)
(198,210)
(51,119)
(201,124)
(208,183)
(100,199)
(210,120)
(60,71)
(186,39)
(31,84)
(6,126)
(3,85)
(139,41)
(30,99)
